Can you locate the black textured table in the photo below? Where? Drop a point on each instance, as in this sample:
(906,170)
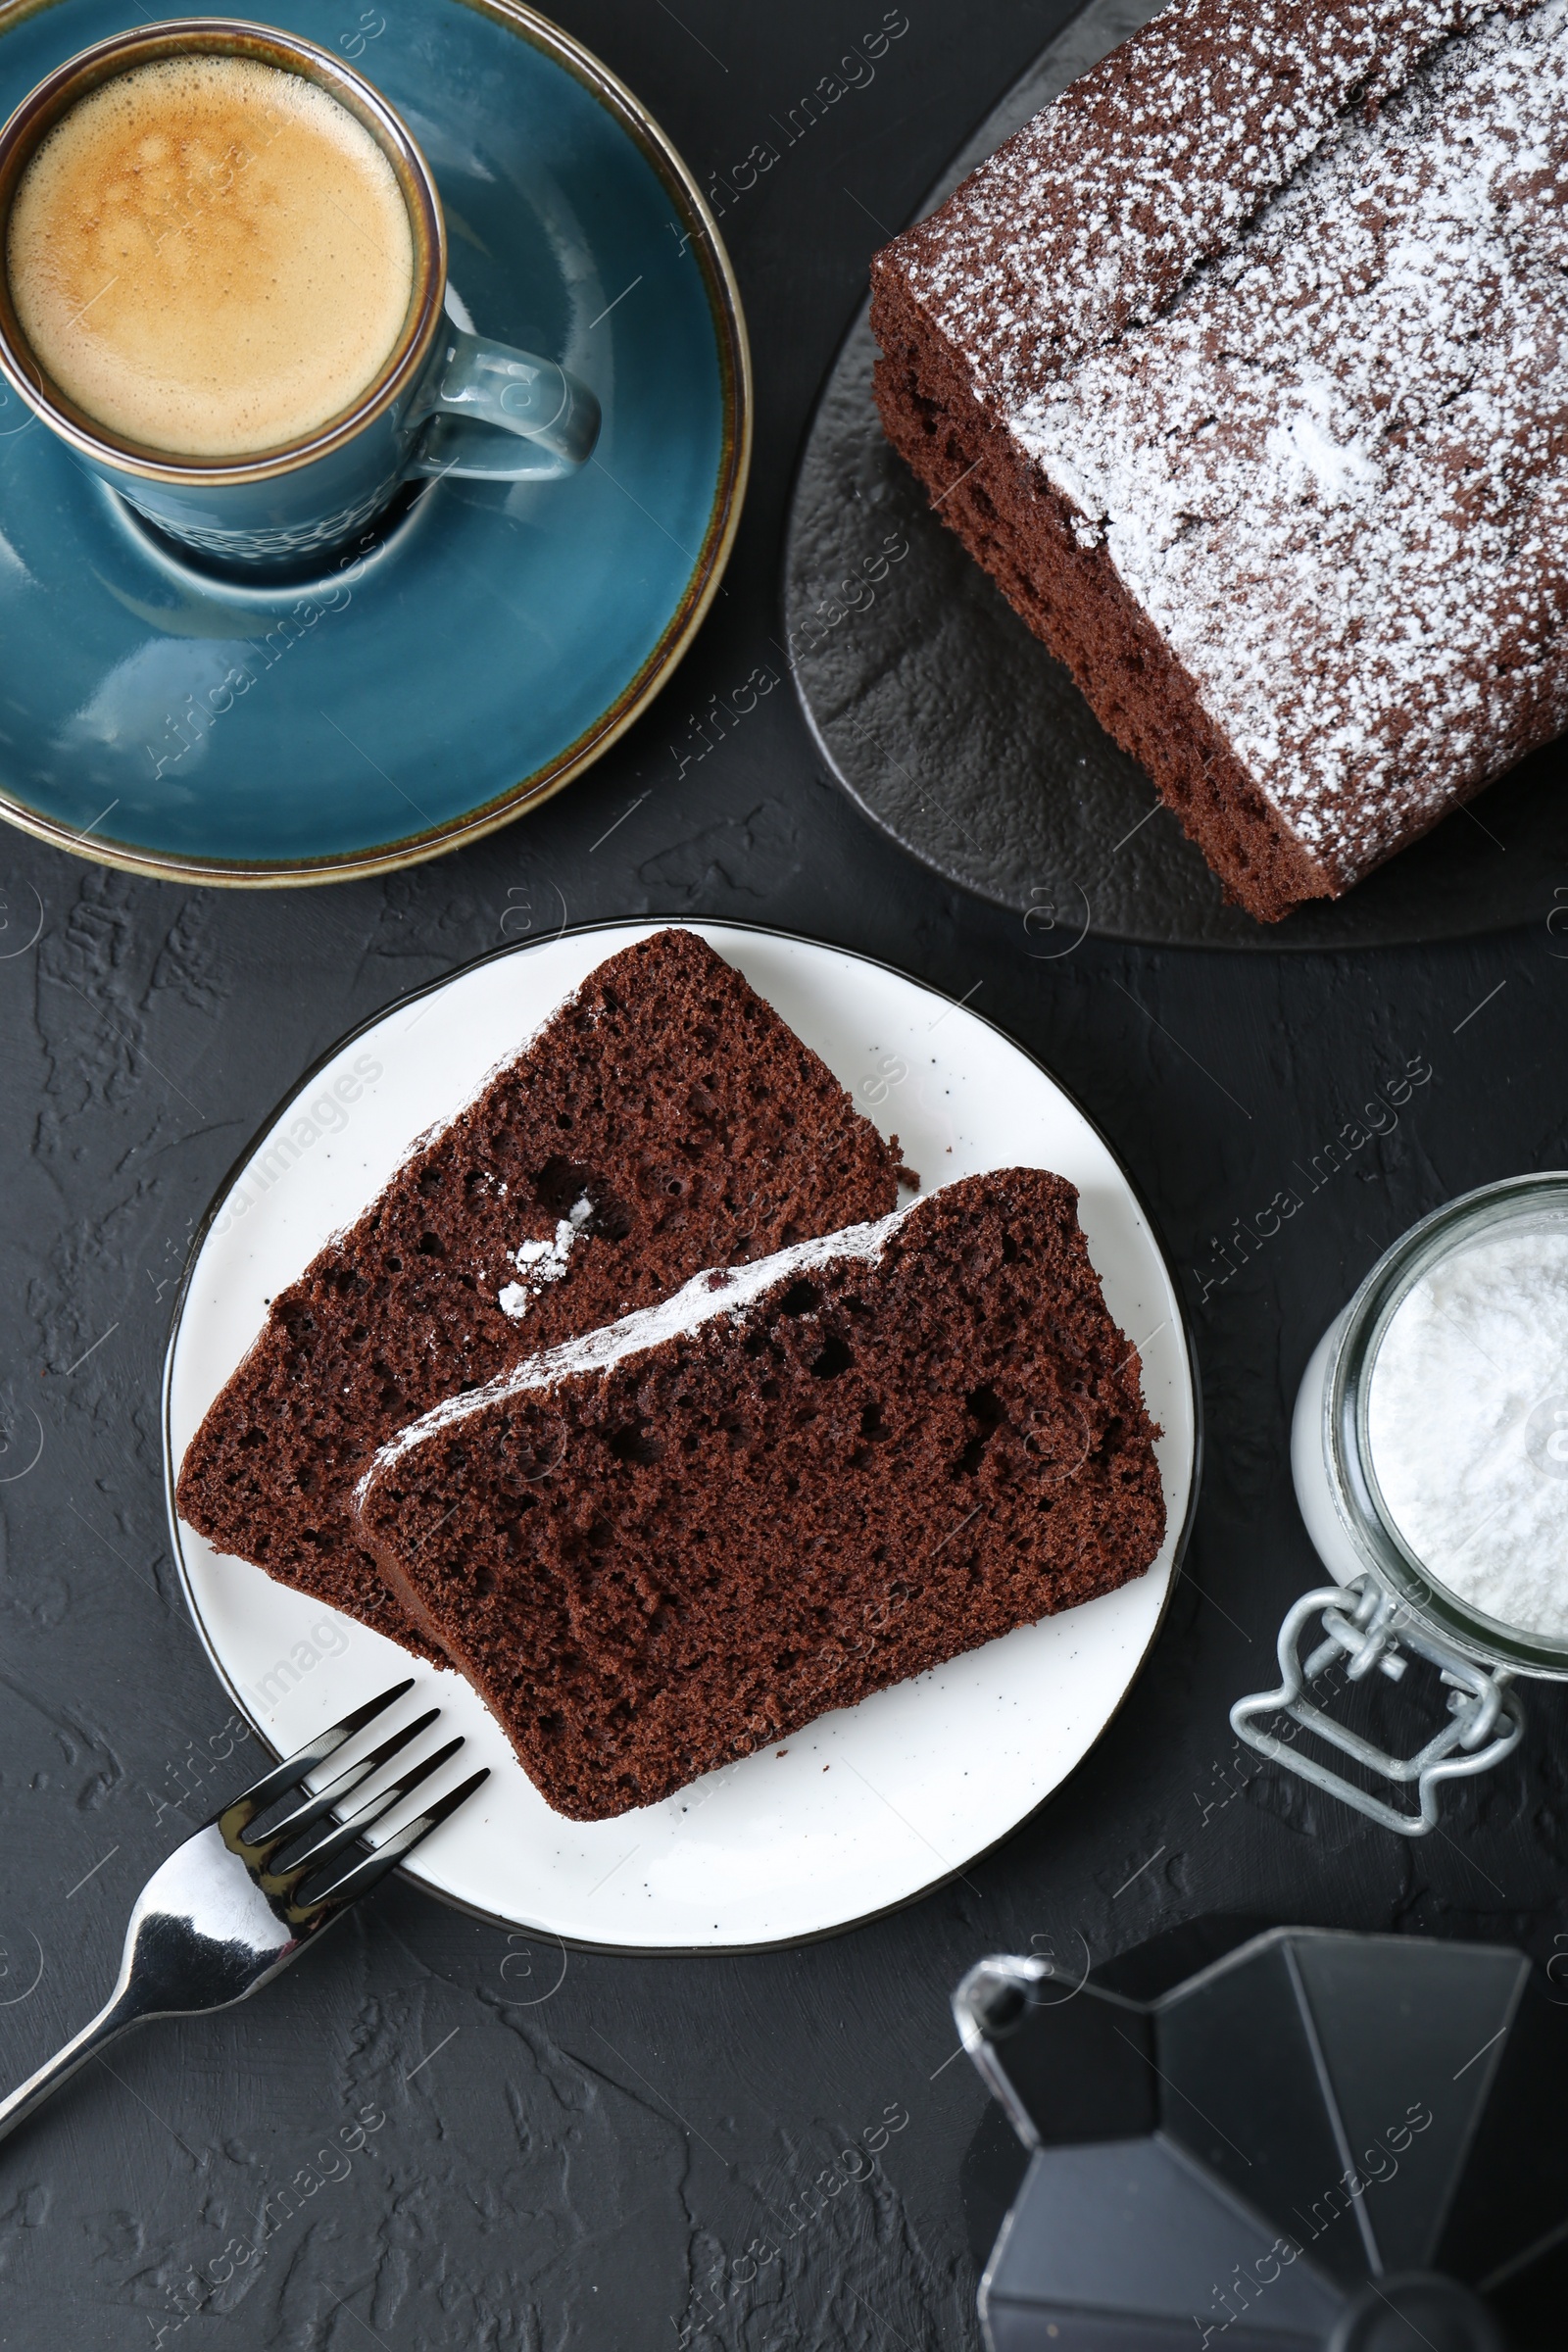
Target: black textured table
(630,2157)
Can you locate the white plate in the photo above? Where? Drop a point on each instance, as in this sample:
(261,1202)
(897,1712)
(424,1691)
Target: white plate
(868,1806)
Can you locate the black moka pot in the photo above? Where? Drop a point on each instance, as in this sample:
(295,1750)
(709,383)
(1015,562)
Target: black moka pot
(1321,2142)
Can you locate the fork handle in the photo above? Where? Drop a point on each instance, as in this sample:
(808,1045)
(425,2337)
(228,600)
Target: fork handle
(118,2013)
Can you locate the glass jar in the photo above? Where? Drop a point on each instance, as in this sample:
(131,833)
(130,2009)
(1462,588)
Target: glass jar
(1337,1486)
(1387,1600)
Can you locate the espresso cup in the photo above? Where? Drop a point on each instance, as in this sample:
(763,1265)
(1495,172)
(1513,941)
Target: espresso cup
(440,401)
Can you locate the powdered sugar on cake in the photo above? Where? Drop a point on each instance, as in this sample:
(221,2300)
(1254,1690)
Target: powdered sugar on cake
(1141,170)
(542,1262)
(1300,373)
(719,1291)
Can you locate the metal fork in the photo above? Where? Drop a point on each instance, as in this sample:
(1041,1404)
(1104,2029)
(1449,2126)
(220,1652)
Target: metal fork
(217,1922)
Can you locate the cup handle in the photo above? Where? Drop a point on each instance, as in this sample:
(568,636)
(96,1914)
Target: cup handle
(493,414)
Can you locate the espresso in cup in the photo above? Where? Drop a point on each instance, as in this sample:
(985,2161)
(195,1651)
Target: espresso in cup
(210,257)
(223,289)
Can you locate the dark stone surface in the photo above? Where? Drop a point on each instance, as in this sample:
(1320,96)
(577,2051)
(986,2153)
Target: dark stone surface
(587,2165)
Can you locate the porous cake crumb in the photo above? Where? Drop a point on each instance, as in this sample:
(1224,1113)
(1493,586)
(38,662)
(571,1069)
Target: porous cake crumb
(660,1546)
(664,1118)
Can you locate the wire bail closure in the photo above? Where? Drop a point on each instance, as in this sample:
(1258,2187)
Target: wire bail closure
(1367,1625)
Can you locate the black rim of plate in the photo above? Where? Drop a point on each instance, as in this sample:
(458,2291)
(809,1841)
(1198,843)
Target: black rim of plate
(956,732)
(640,923)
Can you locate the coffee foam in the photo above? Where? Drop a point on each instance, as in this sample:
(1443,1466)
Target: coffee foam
(210,256)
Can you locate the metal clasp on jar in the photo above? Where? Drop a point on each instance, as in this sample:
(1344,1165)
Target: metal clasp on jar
(1368,1626)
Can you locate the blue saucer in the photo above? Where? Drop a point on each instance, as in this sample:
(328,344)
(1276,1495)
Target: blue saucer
(496,636)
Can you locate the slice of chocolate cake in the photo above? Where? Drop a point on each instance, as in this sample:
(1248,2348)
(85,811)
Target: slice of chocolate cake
(664,1119)
(1242,369)
(672,1542)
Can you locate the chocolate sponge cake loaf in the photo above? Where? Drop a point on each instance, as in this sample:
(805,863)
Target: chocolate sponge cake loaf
(658,1547)
(1242,369)
(664,1118)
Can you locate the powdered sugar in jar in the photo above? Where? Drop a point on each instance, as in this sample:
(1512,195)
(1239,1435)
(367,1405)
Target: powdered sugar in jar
(1430,1455)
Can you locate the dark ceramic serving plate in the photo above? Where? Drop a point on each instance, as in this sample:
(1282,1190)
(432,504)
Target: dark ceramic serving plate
(955,732)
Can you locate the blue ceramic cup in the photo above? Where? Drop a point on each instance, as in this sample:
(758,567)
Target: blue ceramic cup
(446,402)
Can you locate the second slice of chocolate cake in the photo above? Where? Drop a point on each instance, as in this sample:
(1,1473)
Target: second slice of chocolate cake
(664,1118)
(675,1540)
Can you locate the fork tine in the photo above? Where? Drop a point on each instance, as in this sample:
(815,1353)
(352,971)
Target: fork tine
(326,1848)
(305,1759)
(392,1850)
(331,1798)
